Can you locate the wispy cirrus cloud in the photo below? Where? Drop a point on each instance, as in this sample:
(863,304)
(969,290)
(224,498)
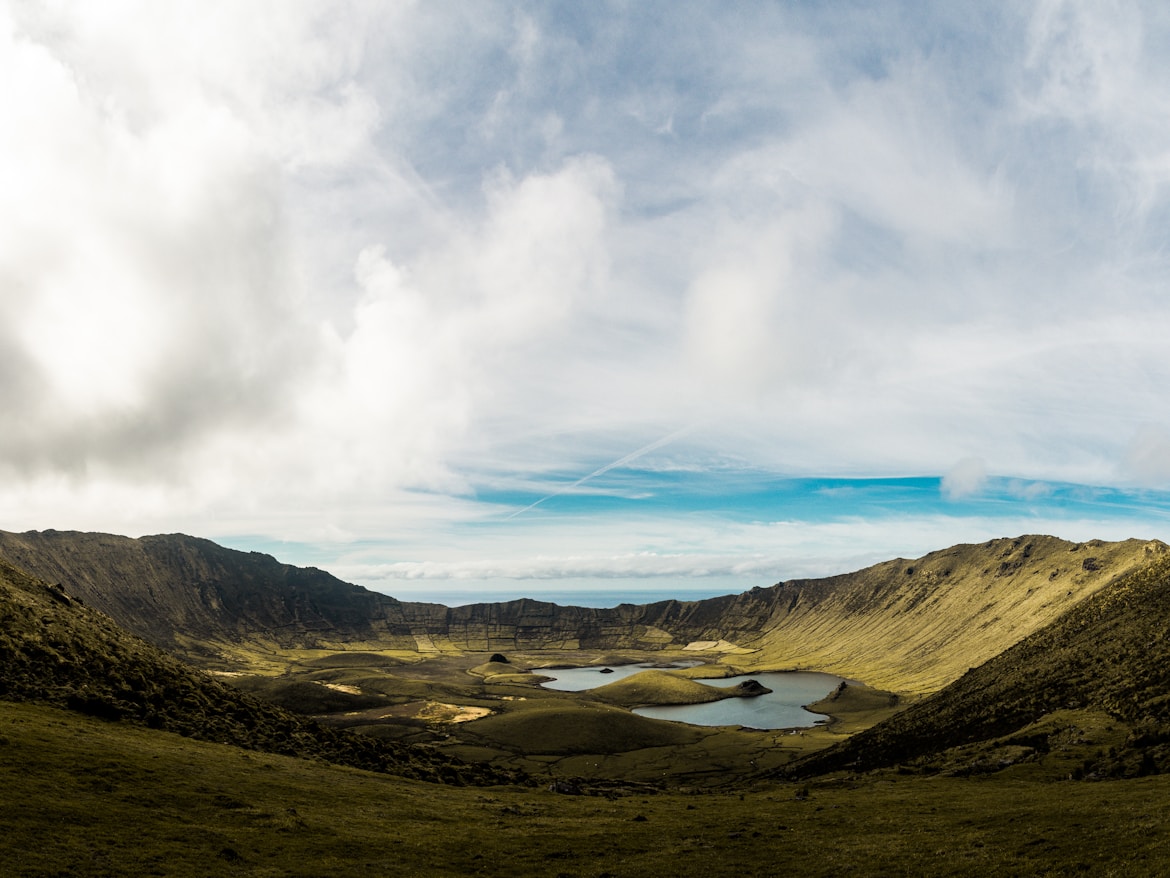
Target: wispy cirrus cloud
(331,272)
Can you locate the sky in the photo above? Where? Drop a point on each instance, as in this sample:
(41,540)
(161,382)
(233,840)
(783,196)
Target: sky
(591,302)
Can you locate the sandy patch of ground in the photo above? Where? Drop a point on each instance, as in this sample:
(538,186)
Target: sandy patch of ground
(427,711)
(710,646)
(438,712)
(341,687)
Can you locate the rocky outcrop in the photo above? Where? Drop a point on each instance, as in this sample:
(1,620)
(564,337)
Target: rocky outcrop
(750,689)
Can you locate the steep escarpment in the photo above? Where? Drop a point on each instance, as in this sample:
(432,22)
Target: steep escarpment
(908,626)
(186,594)
(1108,655)
(537,624)
(56,651)
(914,626)
(189,595)
(903,625)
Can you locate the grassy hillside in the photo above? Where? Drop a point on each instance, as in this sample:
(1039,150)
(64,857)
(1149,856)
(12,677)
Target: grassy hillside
(564,726)
(98,784)
(104,800)
(1108,657)
(658,687)
(54,650)
(914,626)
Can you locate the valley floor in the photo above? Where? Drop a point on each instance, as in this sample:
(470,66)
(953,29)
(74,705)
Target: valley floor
(547,733)
(88,798)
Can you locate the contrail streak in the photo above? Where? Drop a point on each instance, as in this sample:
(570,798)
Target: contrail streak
(621,461)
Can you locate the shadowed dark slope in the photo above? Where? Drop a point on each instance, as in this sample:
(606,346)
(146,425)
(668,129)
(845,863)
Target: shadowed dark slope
(182,593)
(54,650)
(186,594)
(1110,653)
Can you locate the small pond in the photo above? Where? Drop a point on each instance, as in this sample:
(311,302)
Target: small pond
(780,709)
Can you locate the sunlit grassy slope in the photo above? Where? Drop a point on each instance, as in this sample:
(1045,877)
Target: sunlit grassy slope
(914,626)
(1109,656)
(658,687)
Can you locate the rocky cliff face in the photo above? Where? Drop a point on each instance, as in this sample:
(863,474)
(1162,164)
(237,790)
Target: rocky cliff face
(187,594)
(914,626)
(905,625)
(181,592)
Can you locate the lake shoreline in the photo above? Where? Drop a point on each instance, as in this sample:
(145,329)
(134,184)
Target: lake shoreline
(649,689)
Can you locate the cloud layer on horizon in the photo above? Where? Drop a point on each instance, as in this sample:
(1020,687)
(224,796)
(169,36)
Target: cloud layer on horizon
(330,270)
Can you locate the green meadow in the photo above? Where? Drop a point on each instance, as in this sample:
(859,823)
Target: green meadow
(85,797)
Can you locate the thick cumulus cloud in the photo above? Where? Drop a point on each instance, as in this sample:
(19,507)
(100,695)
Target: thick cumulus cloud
(286,265)
(150,293)
(444,341)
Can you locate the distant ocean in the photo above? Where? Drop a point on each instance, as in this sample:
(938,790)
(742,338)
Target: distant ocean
(603,597)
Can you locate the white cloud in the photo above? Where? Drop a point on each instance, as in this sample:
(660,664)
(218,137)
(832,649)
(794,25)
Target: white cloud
(723,557)
(435,341)
(1147,459)
(153,297)
(288,263)
(965,479)
(1084,57)
(639,565)
(890,152)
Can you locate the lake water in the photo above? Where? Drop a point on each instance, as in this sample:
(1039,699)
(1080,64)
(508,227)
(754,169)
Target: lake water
(579,679)
(779,709)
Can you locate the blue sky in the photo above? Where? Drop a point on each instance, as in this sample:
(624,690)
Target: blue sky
(569,299)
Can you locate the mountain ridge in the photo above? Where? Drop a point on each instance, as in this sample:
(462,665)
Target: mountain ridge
(54,650)
(906,625)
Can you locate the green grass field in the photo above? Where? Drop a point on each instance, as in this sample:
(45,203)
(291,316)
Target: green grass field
(88,798)
(1042,761)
